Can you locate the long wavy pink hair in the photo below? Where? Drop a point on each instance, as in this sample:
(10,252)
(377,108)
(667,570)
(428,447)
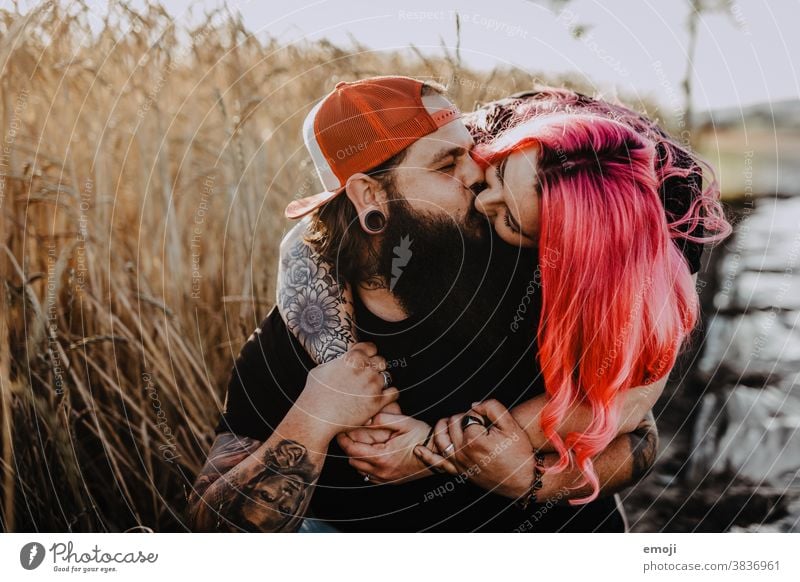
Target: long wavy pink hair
(619,301)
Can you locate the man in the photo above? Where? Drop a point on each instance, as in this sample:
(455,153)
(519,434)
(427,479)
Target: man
(443,319)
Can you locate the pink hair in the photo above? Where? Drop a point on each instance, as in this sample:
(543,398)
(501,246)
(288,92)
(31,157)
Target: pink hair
(619,301)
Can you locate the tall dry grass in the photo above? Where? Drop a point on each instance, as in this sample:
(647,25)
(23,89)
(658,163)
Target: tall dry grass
(144,169)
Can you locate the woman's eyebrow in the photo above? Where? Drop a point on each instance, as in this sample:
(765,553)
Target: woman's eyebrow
(501,170)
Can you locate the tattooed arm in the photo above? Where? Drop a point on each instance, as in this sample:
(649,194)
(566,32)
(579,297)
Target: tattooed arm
(227,451)
(247,485)
(251,486)
(626,460)
(317,309)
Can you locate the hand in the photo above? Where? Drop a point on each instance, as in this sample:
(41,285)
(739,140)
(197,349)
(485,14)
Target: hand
(370,435)
(391,460)
(498,459)
(344,393)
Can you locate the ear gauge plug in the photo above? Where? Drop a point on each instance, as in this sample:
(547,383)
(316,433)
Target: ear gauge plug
(375,221)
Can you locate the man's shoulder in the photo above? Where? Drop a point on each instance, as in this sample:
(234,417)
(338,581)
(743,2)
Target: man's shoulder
(266,377)
(272,341)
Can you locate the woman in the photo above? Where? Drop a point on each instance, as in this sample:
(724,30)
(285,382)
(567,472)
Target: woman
(586,187)
(583,183)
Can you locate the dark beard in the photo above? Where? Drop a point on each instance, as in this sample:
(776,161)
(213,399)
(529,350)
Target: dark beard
(446,273)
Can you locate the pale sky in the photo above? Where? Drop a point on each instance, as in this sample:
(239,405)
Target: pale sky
(638,46)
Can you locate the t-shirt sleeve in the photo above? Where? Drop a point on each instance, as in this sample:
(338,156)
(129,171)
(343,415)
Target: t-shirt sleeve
(267,377)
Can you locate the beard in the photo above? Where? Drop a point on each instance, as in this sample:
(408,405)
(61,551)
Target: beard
(446,272)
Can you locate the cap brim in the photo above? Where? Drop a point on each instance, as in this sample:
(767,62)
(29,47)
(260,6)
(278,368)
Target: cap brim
(299,208)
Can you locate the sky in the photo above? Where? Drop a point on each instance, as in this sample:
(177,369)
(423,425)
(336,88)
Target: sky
(635,46)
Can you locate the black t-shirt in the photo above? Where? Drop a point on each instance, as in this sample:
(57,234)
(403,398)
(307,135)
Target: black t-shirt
(438,375)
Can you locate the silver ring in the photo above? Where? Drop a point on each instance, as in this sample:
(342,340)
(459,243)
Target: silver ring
(387,379)
(468,420)
(366,478)
(450,448)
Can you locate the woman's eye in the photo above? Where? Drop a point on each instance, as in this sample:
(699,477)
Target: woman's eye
(447,168)
(507,220)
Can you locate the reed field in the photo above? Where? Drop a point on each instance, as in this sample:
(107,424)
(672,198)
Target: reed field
(144,169)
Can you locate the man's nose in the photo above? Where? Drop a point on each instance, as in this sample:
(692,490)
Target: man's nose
(472,174)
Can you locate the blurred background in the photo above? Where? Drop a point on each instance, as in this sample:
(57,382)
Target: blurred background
(148,150)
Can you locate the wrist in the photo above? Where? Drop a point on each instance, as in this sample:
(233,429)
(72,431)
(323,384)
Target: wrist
(312,426)
(429,444)
(532,493)
(555,486)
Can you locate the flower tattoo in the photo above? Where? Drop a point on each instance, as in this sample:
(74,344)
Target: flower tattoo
(313,304)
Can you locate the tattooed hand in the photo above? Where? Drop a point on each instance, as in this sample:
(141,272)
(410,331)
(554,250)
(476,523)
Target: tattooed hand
(317,309)
(346,392)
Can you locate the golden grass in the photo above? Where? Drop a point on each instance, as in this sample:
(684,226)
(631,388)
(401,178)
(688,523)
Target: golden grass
(144,170)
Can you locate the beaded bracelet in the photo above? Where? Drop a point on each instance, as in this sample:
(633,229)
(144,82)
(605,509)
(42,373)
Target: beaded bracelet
(538,473)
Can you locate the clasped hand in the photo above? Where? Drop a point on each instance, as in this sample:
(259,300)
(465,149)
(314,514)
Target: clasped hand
(495,454)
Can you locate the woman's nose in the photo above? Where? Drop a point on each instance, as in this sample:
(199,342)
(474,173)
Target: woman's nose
(489,199)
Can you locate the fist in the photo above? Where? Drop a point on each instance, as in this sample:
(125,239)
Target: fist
(346,392)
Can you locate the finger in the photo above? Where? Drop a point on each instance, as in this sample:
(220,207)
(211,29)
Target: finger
(358,450)
(442,439)
(389,395)
(472,433)
(393,408)
(497,414)
(377,363)
(455,432)
(431,459)
(370,435)
(367,348)
(393,422)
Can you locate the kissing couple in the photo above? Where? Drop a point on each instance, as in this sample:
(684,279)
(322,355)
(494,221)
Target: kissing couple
(474,319)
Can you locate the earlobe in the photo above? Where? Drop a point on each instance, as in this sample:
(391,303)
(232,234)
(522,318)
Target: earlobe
(374,221)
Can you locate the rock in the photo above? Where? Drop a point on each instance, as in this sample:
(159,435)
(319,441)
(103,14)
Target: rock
(765,343)
(752,433)
(754,291)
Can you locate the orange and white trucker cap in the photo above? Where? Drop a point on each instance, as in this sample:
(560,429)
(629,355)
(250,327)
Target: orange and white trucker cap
(360,125)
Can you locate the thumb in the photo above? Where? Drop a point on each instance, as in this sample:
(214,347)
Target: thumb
(388,396)
(391,421)
(393,408)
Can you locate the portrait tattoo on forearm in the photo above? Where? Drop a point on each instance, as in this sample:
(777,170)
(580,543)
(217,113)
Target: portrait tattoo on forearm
(313,303)
(273,499)
(227,451)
